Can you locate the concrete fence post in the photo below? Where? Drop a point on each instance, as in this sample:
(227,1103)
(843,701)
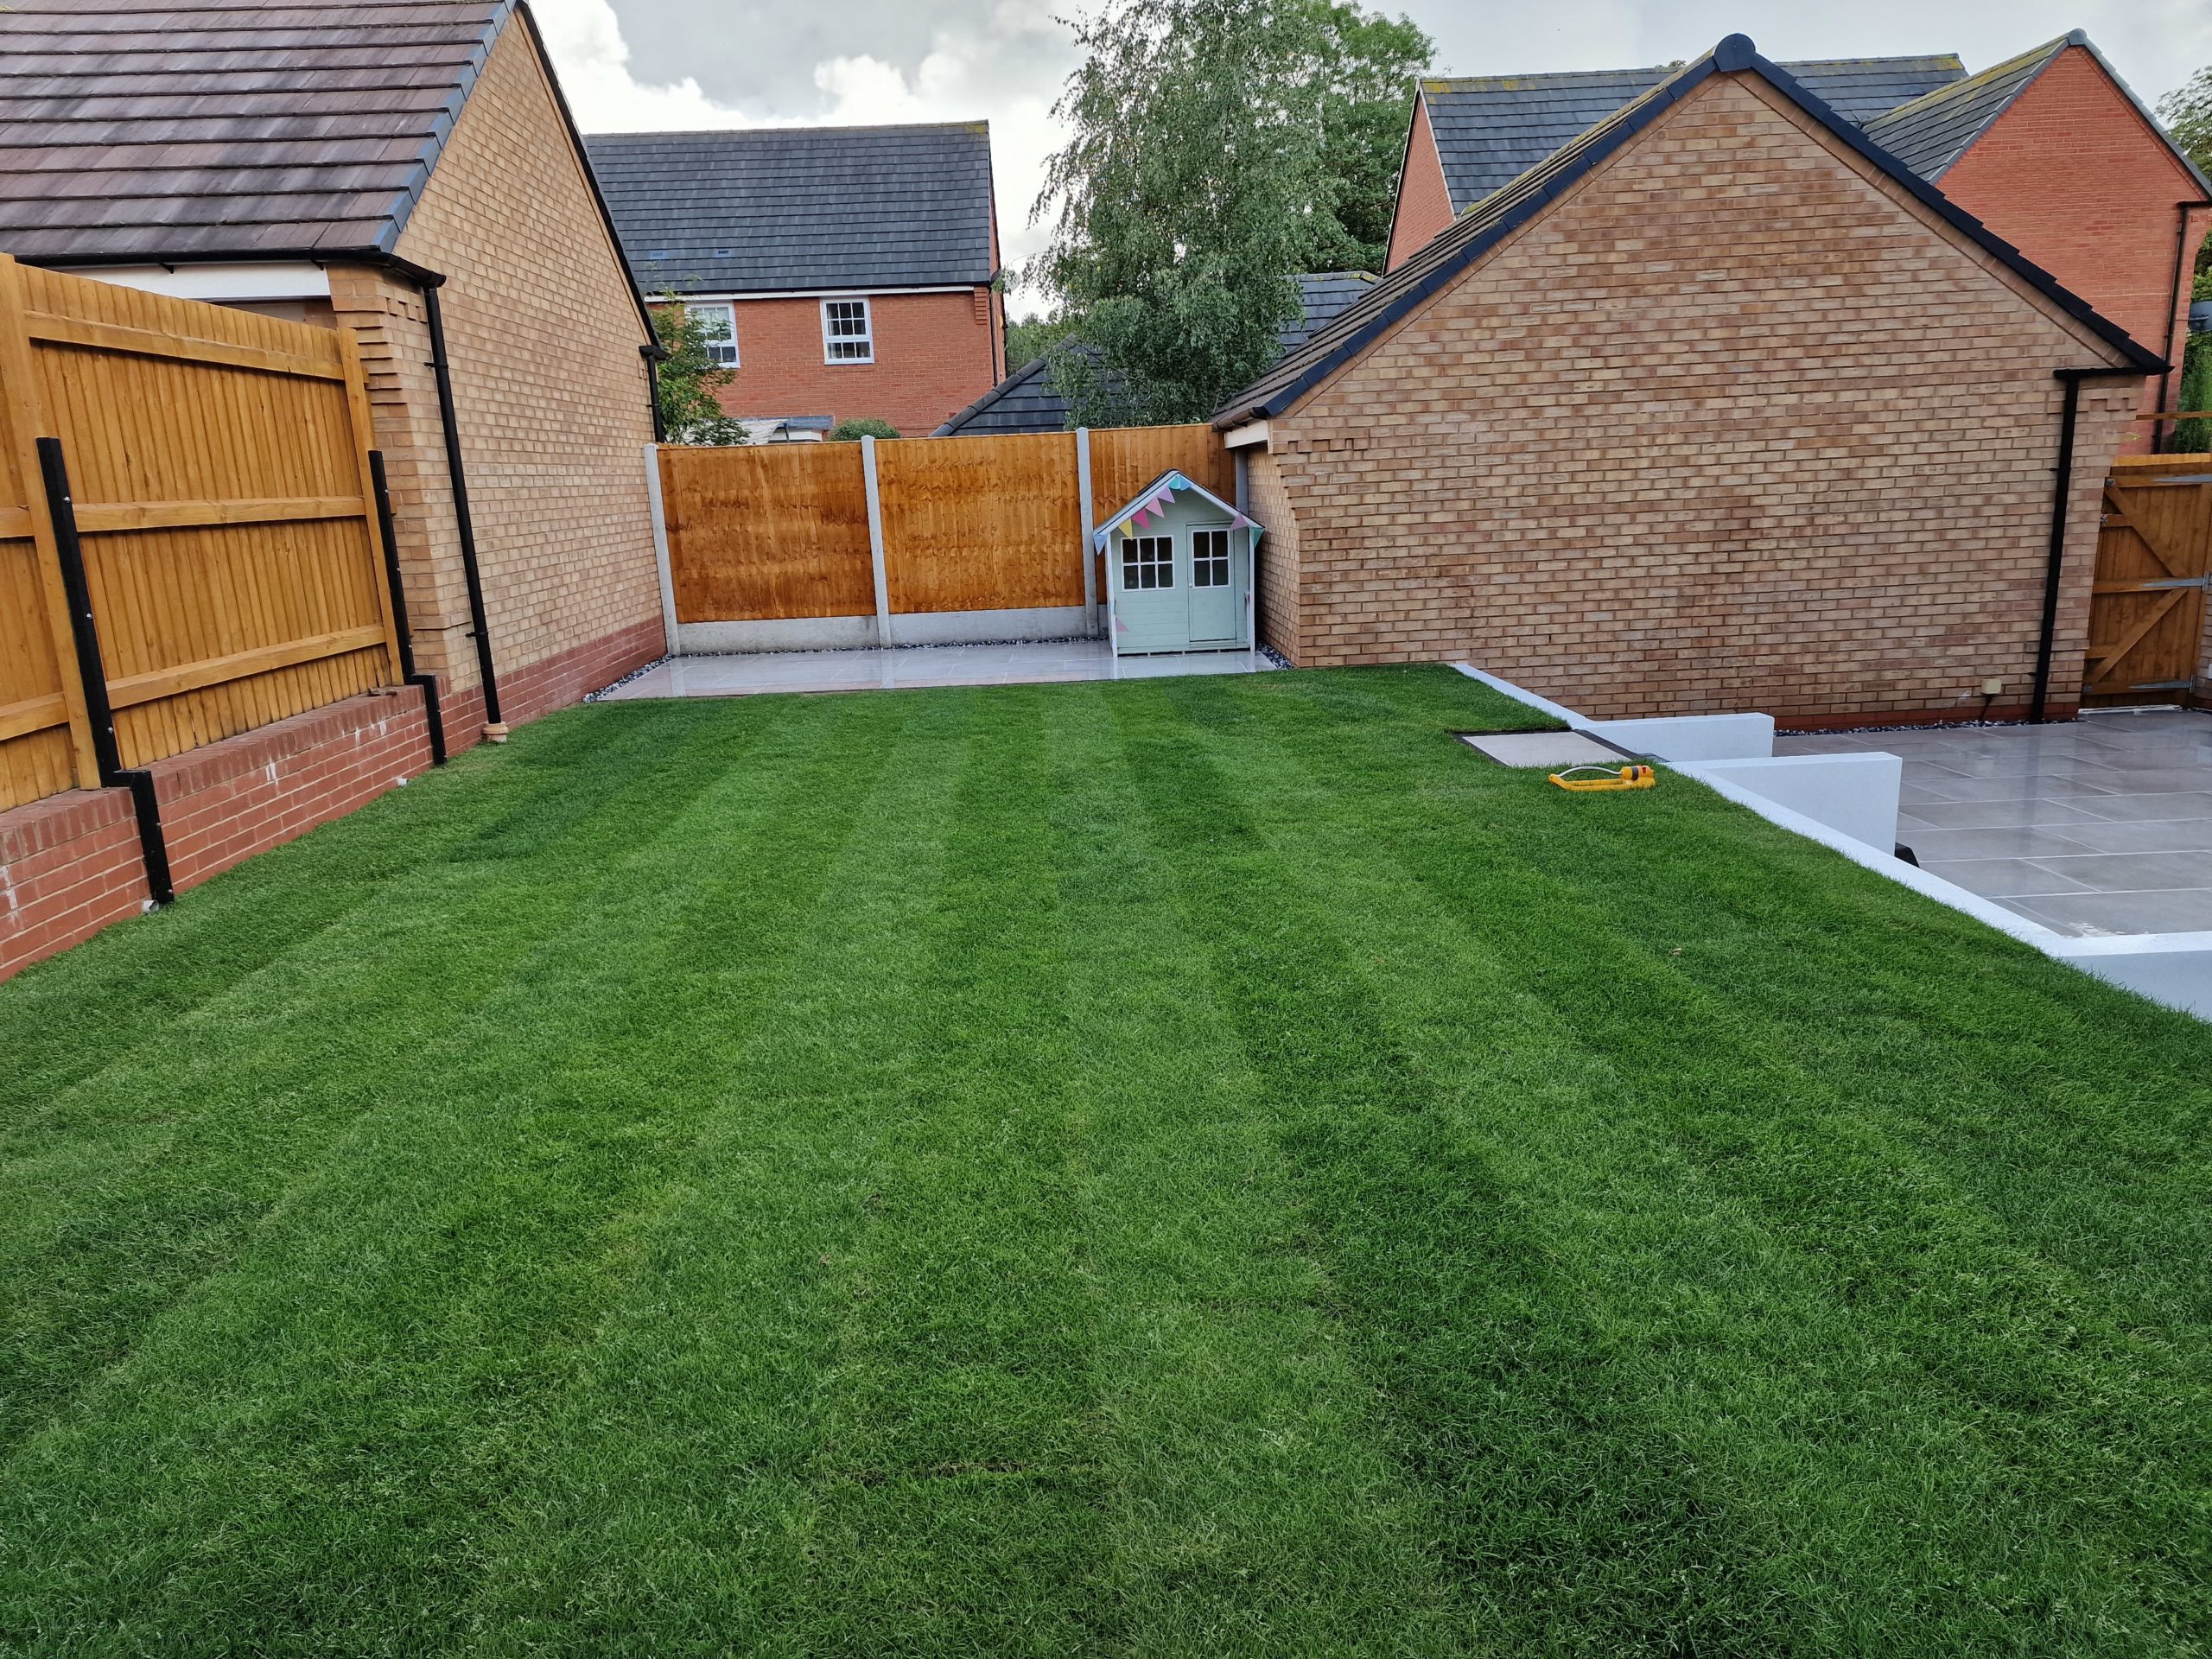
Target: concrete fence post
(660,549)
(875,544)
(1090,563)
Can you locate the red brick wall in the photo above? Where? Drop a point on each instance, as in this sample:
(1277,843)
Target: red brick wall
(223,804)
(935,354)
(2072,177)
(1424,201)
(1588,465)
(69,864)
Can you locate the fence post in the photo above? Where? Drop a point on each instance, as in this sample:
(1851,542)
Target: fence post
(875,544)
(391,604)
(22,414)
(61,512)
(1089,559)
(666,572)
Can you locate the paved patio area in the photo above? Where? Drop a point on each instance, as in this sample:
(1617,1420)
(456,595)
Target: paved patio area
(914,666)
(2100,826)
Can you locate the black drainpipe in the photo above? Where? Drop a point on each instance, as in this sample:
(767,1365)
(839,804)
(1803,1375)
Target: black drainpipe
(494,727)
(655,355)
(2173,312)
(107,754)
(427,684)
(2061,497)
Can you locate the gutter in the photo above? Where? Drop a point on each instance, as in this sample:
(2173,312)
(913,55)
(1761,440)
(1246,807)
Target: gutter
(2060,499)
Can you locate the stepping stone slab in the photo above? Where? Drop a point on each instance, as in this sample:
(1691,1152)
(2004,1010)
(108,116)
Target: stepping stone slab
(1549,750)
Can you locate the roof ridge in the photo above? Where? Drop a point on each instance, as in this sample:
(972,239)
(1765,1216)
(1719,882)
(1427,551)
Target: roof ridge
(1487,222)
(983,126)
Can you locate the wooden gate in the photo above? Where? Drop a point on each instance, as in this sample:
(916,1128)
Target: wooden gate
(2154,549)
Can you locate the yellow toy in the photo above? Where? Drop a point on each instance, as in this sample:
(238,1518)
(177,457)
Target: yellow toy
(1607,778)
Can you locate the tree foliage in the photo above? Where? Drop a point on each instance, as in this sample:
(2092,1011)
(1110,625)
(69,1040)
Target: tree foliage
(687,379)
(1218,148)
(2186,111)
(853,431)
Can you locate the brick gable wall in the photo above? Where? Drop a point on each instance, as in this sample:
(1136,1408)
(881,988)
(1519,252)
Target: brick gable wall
(1612,462)
(2072,177)
(1424,200)
(935,354)
(552,399)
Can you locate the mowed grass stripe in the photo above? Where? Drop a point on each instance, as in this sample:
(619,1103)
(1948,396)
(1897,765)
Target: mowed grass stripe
(112,999)
(1565,1514)
(447,1253)
(671,1501)
(1252,1501)
(1938,1325)
(126,1185)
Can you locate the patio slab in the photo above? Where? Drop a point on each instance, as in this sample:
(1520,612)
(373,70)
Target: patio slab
(912,667)
(2101,826)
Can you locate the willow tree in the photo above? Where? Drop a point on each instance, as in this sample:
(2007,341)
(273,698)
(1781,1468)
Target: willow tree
(1208,164)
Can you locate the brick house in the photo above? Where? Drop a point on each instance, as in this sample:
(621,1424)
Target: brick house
(853,269)
(2053,152)
(408,170)
(1561,441)
(2049,149)
(1470,136)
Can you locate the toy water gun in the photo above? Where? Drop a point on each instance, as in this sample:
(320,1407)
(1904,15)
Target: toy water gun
(1605,778)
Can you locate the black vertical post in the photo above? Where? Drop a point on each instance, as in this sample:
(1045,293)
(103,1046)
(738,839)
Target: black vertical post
(2061,497)
(426,684)
(471,577)
(92,672)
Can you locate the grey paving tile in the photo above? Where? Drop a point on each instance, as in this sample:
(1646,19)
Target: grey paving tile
(2124,808)
(1993,815)
(2135,872)
(2020,842)
(2143,835)
(2153,780)
(1939,786)
(2119,912)
(2001,878)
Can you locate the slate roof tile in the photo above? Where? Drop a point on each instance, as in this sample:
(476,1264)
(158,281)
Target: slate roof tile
(769,209)
(1491,128)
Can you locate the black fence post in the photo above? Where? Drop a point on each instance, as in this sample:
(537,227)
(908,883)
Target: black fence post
(92,672)
(427,684)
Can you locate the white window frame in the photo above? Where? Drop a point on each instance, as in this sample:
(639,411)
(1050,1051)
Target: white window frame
(729,310)
(865,338)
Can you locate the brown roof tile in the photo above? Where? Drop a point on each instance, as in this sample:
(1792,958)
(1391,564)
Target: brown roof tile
(212,128)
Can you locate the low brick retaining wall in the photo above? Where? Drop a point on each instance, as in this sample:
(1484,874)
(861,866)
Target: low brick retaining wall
(69,864)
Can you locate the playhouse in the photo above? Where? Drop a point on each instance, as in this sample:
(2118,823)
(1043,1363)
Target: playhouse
(1179,570)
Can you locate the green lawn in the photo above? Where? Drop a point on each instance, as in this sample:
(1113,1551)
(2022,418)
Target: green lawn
(1208,1166)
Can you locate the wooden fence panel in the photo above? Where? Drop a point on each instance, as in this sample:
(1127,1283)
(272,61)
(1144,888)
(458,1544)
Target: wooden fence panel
(980,524)
(218,466)
(2154,552)
(770,533)
(1123,459)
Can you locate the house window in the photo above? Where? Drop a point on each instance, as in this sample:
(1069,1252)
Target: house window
(719,328)
(846,335)
(1209,558)
(1148,561)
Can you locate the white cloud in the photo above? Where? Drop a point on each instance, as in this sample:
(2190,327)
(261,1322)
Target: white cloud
(584,39)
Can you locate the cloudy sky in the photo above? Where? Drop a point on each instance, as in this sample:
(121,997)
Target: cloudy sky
(642,65)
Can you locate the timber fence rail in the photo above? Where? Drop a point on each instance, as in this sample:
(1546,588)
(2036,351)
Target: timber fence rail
(187,490)
(905,541)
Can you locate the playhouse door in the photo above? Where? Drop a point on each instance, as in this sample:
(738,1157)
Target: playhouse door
(1215,605)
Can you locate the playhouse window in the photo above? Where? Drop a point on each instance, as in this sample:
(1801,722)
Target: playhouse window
(1209,558)
(1148,561)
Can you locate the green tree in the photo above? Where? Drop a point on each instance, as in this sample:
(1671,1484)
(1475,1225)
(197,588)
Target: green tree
(2186,111)
(1207,166)
(866,427)
(687,379)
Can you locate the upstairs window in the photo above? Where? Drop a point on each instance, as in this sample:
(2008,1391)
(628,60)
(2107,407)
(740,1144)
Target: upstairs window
(718,326)
(847,335)
(1148,562)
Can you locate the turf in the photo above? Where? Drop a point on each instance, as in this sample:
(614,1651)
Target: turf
(1193,1166)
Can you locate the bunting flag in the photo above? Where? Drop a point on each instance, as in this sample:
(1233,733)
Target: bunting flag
(1141,517)
(1129,527)
(1240,522)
